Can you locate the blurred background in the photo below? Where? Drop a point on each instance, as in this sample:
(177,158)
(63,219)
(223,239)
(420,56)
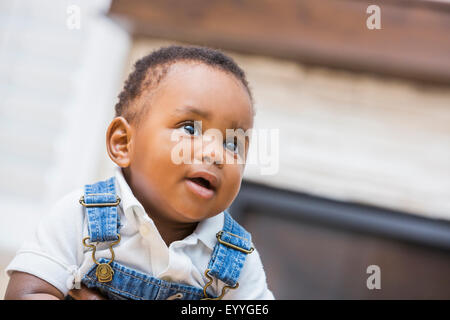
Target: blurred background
(363,165)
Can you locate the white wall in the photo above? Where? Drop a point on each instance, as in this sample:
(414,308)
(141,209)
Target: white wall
(58,87)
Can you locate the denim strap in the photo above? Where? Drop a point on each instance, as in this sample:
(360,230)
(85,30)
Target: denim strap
(226,262)
(102,221)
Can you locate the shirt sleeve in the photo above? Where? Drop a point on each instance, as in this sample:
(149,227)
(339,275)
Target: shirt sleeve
(252,281)
(54,250)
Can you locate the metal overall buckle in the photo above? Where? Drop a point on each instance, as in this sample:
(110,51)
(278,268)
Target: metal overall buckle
(210,282)
(99,204)
(219,238)
(104,271)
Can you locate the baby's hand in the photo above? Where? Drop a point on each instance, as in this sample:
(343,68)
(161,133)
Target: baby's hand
(85,294)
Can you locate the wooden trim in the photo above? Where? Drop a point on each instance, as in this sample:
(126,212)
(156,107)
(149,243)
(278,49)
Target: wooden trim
(412,43)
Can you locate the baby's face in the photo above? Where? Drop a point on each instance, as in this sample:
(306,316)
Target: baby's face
(221,102)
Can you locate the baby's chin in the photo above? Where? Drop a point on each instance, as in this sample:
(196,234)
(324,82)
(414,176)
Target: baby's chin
(189,215)
(186,212)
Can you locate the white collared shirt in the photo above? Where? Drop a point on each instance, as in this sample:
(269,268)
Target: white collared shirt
(55,252)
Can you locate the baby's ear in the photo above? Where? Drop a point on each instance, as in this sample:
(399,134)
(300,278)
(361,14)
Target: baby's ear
(118,141)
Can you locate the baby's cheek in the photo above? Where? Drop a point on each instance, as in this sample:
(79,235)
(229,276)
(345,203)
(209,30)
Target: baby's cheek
(232,181)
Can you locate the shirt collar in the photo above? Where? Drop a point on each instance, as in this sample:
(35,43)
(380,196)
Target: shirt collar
(128,200)
(205,231)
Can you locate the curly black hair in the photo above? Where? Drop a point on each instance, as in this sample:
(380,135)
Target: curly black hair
(151,69)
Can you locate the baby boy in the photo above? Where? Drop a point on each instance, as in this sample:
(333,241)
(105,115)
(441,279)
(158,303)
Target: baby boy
(159,228)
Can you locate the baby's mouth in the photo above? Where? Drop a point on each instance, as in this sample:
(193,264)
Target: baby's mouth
(200,187)
(202,182)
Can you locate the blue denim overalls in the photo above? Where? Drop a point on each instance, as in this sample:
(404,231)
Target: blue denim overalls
(117,281)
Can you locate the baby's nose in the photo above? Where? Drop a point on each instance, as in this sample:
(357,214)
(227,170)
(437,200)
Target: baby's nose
(212,152)
(211,159)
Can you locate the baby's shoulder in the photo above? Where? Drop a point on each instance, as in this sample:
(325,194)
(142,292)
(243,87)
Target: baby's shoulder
(67,207)
(70,199)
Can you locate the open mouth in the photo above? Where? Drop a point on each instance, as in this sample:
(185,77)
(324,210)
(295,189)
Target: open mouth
(202,182)
(200,187)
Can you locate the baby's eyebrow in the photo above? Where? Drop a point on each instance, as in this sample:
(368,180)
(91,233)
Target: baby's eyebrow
(237,125)
(205,114)
(193,110)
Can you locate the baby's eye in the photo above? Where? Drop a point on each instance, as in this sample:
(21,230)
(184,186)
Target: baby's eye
(191,129)
(232,145)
